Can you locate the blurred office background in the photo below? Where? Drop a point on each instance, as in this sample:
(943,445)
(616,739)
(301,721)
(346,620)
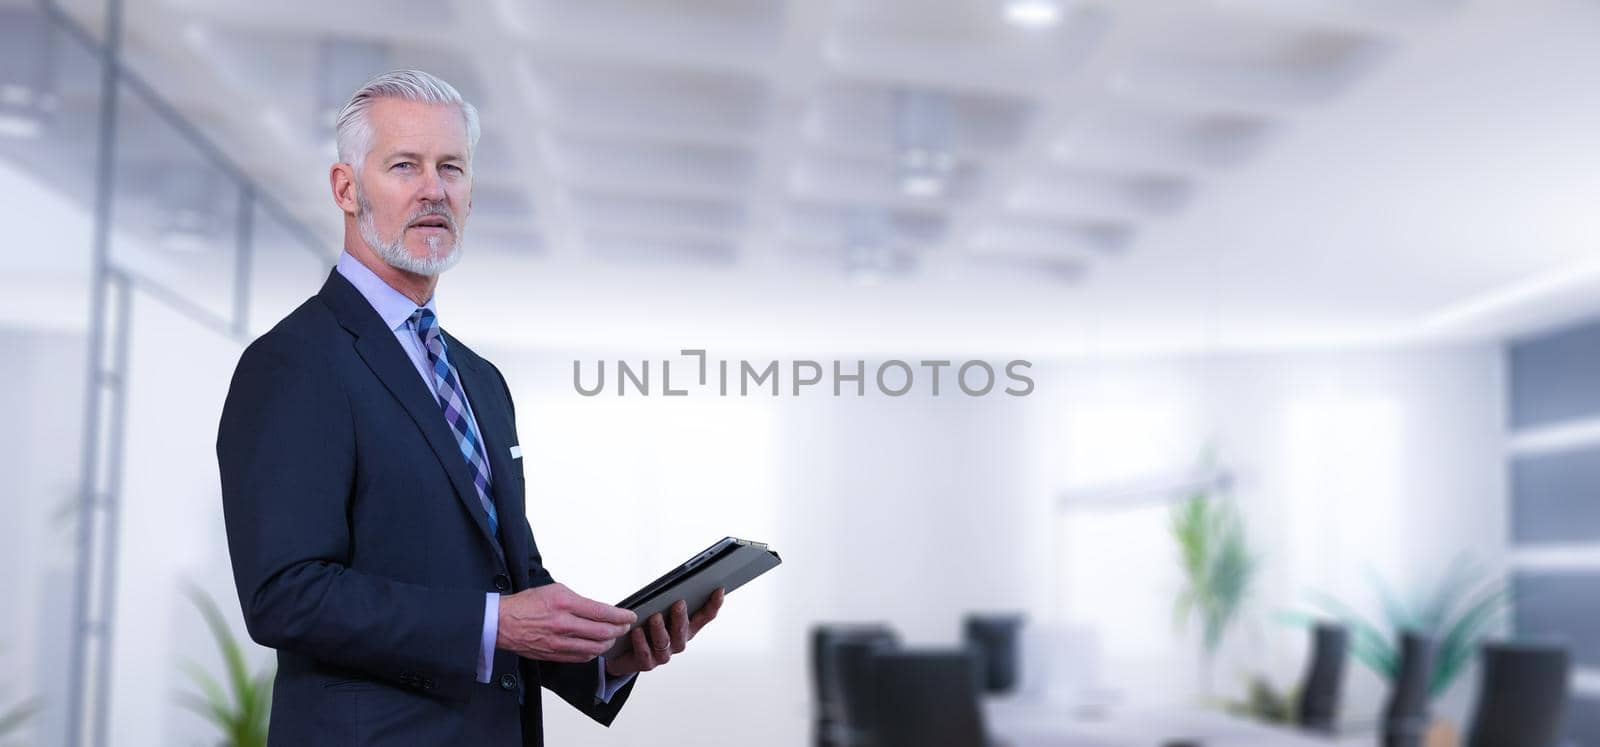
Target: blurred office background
(1325,269)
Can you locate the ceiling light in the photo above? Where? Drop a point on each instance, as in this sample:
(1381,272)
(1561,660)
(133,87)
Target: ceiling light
(189,230)
(22,113)
(921,185)
(868,264)
(924,124)
(1033,14)
(187,201)
(28,97)
(198,36)
(185,244)
(872,253)
(924,172)
(19,126)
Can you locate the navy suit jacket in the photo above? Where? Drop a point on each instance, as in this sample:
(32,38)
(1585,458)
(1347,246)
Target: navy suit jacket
(360,549)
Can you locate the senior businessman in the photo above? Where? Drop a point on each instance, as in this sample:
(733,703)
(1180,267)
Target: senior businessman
(373,487)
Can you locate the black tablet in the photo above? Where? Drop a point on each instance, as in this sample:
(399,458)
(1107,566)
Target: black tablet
(729,563)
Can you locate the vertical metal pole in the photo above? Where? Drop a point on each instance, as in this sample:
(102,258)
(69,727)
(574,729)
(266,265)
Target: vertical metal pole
(241,268)
(111,504)
(85,628)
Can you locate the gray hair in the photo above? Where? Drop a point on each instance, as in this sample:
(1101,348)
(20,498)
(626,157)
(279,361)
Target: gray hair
(354,129)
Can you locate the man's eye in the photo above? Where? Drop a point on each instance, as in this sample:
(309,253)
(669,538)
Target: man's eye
(401,165)
(452,167)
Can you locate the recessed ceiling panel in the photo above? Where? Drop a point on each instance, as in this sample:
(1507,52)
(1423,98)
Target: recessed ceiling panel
(868,116)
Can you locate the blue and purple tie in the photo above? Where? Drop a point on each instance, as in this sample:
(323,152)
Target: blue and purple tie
(454,402)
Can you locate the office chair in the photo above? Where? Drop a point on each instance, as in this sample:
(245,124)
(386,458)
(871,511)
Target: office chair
(829,727)
(860,699)
(1405,717)
(994,639)
(1523,698)
(928,699)
(1319,696)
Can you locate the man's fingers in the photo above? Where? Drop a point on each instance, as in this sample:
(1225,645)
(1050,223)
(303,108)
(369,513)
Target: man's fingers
(583,648)
(658,631)
(660,641)
(707,612)
(589,608)
(584,651)
(578,627)
(585,607)
(641,650)
(680,626)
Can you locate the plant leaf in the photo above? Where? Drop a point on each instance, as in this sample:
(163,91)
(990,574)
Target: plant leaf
(1297,619)
(1460,642)
(1394,611)
(213,712)
(19,715)
(1456,579)
(207,684)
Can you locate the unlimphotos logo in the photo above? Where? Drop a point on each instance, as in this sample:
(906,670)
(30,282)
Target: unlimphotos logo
(893,378)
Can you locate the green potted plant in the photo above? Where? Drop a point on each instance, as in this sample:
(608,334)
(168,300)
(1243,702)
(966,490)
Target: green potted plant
(1218,571)
(241,710)
(1264,702)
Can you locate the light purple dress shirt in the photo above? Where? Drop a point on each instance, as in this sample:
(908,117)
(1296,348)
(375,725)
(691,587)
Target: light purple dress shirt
(396,310)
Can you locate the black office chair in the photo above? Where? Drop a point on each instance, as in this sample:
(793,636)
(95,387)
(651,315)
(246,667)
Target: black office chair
(860,697)
(928,699)
(994,639)
(1405,717)
(1324,682)
(829,726)
(1523,698)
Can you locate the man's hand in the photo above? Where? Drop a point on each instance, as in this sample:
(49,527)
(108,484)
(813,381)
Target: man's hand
(553,623)
(664,638)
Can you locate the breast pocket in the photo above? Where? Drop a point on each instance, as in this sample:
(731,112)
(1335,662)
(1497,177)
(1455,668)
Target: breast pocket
(517,463)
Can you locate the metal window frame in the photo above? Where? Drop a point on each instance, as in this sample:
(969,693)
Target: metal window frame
(112,288)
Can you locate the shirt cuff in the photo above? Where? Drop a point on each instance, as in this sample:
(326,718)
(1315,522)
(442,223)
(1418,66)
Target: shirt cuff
(491,631)
(607,689)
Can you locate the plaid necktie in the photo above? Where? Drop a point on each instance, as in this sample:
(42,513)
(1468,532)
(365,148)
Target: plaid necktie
(454,402)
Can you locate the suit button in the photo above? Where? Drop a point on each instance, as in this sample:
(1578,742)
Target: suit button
(508,682)
(502,582)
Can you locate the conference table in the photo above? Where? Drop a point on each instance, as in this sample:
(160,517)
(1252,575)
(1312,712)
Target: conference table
(1041,724)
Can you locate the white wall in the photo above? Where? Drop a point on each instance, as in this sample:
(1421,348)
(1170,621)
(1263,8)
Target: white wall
(172,529)
(39,459)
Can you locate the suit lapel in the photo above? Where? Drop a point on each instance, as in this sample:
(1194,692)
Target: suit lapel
(382,353)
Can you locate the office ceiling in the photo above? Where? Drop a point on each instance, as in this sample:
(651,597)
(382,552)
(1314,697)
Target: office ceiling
(932,174)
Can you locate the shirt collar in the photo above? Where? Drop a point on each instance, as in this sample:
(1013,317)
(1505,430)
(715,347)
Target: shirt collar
(392,305)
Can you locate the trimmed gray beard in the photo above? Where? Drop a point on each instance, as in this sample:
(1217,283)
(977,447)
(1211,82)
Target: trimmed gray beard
(439,259)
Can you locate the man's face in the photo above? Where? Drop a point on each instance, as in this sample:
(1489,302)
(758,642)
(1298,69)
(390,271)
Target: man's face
(415,189)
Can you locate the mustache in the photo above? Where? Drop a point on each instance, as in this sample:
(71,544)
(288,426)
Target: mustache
(436,209)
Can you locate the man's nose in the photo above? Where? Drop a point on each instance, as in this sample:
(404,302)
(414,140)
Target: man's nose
(432,189)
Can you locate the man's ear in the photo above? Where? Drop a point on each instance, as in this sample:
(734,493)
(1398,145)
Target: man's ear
(341,178)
